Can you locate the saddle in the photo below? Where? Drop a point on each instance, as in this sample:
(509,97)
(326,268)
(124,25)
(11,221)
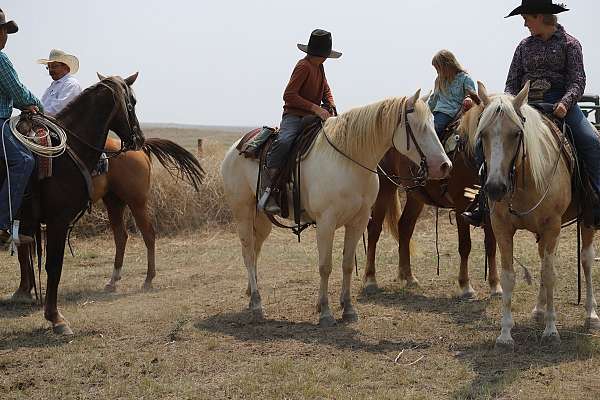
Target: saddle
(256,145)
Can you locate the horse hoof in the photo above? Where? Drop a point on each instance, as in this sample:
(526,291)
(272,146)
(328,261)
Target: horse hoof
(538,316)
(110,288)
(467,294)
(505,346)
(147,286)
(370,290)
(258,315)
(412,284)
(327,321)
(552,339)
(496,292)
(592,323)
(22,298)
(350,316)
(62,329)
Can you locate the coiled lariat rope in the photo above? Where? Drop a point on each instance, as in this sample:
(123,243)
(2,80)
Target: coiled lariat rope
(31,139)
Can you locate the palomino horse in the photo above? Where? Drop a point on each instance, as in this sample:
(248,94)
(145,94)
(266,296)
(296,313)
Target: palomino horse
(337,188)
(109,104)
(538,202)
(127,183)
(444,194)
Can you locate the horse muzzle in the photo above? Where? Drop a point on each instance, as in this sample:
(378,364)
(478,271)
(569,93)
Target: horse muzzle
(496,190)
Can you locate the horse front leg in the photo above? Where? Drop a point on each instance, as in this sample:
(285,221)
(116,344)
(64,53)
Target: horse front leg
(325,232)
(352,236)
(587,258)
(55,250)
(406,227)
(547,250)
(464,249)
(374,231)
(504,235)
(23,293)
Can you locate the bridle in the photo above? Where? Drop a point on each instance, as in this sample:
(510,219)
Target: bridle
(418,179)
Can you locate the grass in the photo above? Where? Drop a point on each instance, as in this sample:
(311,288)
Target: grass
(192,337)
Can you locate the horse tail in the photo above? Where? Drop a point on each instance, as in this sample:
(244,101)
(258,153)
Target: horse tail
(392,215)
(179,162)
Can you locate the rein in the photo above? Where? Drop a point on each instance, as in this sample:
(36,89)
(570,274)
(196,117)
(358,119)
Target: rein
(421,176)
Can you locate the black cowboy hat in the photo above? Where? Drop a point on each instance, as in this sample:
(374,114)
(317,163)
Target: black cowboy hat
(11,26)
(319,45)
(538,7)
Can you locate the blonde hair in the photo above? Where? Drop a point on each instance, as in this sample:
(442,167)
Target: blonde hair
(447,67)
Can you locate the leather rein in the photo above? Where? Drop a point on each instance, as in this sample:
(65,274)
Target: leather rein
(419,179)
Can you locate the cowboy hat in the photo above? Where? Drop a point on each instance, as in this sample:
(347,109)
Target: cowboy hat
(538,7)
(11,26)
(319,45)
(60,56)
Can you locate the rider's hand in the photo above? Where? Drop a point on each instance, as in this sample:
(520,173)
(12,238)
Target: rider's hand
(468,103)
(321,113)
(32,109)
(560,110)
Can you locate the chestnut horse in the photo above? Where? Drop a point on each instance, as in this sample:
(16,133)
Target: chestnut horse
(448,194)
(127,183)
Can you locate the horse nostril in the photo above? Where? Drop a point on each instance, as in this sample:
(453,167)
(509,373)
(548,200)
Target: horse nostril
(445,168)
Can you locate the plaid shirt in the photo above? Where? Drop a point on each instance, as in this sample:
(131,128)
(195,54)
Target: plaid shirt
(12,91)
(558,60)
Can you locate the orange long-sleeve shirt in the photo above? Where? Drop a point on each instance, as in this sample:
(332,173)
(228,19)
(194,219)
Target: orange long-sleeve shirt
(307,86)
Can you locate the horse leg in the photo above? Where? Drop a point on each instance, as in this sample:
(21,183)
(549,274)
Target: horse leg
(115,208)
(539,311)
(142,220)
(262,229)
(464,249)
(374,231)
(351,237)
(547,250)
(23,293)
(505,342)
(587,258)
(55,251)
(490,249)
(406,227)
(325,233)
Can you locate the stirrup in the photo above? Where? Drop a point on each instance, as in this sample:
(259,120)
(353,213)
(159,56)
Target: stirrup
(474,217)
(267,204)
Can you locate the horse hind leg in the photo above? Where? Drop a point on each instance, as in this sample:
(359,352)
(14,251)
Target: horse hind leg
(144,224)
(116,209)
(587,258)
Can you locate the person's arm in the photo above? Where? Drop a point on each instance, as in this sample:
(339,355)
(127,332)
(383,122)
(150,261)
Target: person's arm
(575,76)
(9,82)
(469,85)
(291,95)
(515,73)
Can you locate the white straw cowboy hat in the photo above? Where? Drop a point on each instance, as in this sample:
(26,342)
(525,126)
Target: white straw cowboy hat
(60,56)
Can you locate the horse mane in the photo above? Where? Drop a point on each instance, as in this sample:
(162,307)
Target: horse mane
(540,145)
(75,104)
(354,131)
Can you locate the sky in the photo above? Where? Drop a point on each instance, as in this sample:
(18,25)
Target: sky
(227,62)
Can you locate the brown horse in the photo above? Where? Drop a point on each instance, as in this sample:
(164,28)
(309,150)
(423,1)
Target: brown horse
(443,194)
(107,105)
(127,183)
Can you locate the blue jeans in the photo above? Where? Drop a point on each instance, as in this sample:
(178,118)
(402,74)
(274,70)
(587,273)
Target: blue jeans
(440,122)
(20,163)
(288,130)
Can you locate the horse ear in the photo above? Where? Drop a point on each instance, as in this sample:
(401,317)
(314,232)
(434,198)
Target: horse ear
(130,79)
(521,98)
(426,97)
(100,76)
(411,102)
(482,91)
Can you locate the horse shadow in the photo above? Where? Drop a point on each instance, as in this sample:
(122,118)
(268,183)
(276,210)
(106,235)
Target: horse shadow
(241,326)
(39,338)
(496,371)
(460,311)
(10,309)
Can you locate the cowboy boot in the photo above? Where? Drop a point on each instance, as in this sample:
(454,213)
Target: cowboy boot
(474,213)
(267,202)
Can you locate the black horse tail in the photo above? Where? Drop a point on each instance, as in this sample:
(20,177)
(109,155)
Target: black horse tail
(179,162)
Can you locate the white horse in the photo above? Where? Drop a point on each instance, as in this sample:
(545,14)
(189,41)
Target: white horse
(335,190)
(507,126)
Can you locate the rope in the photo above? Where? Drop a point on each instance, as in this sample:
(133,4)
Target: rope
(29,140)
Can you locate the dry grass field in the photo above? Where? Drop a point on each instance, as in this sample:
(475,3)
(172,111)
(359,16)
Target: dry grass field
(191,337)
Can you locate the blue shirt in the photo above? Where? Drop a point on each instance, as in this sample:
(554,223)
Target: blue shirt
(12,92)
(450,101)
